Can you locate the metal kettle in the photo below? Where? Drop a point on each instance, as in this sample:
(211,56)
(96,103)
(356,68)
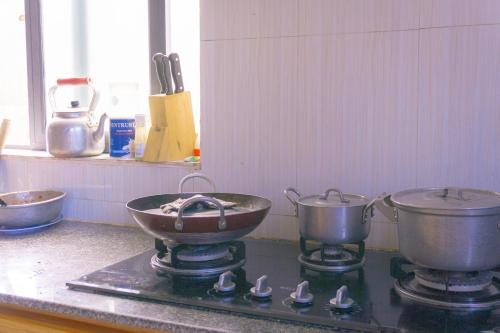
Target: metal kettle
(74,132)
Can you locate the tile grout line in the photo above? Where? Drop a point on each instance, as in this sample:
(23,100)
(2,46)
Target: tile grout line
(297,104)
(418,94)
(352,32)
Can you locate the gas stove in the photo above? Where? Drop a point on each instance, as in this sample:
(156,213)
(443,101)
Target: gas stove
(264,279)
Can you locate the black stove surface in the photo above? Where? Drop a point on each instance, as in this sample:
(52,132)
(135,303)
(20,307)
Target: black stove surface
(378,307)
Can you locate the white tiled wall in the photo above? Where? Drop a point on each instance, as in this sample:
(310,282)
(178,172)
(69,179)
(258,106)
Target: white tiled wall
(368,95)
(96,191)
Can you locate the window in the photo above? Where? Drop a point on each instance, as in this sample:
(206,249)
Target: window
(14,83)
(110,41)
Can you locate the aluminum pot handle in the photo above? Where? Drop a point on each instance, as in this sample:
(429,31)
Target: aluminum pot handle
(460,194)
(195,175)
(292,199)
(385,206)
(289,197)
(330,190)
(368,210)
(179,223)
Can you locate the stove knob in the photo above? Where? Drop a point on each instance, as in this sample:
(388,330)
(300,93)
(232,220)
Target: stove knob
(342,300)
(261,289)
(225,283)
(301,295)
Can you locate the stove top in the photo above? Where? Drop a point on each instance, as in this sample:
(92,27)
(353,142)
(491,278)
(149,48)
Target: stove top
(376,306)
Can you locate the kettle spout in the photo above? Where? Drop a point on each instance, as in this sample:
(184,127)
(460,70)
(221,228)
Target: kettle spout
(99,132)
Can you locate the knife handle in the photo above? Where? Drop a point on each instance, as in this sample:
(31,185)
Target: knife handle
(157,59)
(175,64)
(168,75)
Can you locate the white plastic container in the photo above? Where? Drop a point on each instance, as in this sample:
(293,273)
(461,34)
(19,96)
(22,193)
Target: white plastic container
(140,135)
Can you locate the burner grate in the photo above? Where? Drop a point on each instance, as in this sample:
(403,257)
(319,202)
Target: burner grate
(449,290)
(329,258)
(199,261)
(453,281)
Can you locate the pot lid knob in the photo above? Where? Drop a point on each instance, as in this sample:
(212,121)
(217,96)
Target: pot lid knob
(341,299)
(302,295)
(261,289)
(225,283)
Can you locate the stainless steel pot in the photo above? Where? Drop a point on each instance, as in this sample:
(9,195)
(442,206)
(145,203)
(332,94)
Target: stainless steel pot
(332,220)
(452,229)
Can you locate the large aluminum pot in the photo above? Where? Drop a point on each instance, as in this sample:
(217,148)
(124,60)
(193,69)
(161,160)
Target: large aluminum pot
(29,208)
(451,229)
(332,220)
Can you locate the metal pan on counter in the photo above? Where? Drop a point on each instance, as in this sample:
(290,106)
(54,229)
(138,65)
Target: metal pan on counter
(26,209)
(199,226)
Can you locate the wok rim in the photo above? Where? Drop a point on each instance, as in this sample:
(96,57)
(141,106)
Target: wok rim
(127,205)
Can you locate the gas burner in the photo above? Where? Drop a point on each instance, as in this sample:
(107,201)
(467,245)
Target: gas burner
(449,290)
(203,253)
(453,281)
(198,261)
(331,258)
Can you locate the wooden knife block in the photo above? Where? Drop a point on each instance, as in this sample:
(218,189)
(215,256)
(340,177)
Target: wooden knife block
(172,134)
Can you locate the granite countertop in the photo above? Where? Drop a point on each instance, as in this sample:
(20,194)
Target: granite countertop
(35,268)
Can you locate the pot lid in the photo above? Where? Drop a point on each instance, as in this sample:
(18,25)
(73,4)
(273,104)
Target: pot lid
(447,198)
(334,198)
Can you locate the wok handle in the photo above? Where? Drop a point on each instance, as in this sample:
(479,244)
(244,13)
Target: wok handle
(195,175)
(292,199)
(179,223)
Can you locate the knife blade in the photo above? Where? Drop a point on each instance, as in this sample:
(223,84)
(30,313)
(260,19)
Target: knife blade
(157,59)
(175,64)
(167,74)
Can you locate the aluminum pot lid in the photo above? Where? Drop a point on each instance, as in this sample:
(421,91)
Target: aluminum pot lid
(334,198)
(448,198)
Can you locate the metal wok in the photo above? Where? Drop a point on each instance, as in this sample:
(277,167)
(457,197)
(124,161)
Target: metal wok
(199,226)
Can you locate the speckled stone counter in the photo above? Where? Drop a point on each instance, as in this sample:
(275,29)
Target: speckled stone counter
(34,269)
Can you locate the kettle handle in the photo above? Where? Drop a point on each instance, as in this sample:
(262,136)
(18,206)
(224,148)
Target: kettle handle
(73,81)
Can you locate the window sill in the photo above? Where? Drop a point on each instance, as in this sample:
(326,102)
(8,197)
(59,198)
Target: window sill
(26,154)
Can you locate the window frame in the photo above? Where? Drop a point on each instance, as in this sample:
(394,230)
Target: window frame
(158,25)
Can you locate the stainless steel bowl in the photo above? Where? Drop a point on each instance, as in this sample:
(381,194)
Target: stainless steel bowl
(30,208)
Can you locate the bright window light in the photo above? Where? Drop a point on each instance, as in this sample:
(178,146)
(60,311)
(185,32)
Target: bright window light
(14,85)
(105,40)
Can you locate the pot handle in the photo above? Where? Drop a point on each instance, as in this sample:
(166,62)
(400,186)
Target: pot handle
(385,206)
(289,197)
(341,195)
(292,199)
(368,210)
(179,223)
(195,175)
(460,194)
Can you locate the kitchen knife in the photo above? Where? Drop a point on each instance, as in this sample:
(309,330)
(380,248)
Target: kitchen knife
(157,59)
(175,64)
(168,75)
